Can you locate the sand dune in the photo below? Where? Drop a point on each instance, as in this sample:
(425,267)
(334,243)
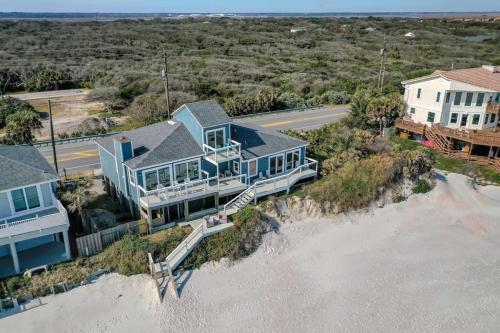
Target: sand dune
(429,264)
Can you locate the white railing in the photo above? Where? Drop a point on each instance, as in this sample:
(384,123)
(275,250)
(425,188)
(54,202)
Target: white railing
(61,210)
(240,178)
(231,150)
(180,191)
(280,182)
(184,248)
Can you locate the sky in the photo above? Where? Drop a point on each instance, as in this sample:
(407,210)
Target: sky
(243,6)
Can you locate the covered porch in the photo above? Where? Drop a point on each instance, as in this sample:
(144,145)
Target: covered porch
(46,254)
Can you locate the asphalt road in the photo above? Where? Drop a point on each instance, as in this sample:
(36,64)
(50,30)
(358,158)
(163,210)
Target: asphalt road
(83,157)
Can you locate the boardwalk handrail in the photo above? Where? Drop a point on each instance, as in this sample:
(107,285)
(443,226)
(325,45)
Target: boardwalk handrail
(184,245)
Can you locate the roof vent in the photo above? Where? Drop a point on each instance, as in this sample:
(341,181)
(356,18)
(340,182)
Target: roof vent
(491,68)
(171,122)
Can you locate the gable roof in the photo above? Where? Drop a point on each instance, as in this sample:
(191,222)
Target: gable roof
(256,142)
(208,113)
(480,77)
(22,166)
(156,144)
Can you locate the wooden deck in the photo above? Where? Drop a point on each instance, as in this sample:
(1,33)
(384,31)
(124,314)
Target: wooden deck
(410,126)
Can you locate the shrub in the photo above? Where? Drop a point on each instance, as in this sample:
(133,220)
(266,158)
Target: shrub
(421,186)
(291,100)
(10,105)
(357,183)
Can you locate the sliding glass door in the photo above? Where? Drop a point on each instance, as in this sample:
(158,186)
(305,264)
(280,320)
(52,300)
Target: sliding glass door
(215,138)
(276,165)
(292,160)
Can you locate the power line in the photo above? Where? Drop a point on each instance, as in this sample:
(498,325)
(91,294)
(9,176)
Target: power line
(165,74)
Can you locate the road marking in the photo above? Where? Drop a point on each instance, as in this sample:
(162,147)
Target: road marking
(295,121)
(80,156)
(85,153)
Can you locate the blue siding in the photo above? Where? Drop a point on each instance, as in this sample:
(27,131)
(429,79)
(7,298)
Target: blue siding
(302,155)
(4,205)
(186,117)
(108,165)
(4,251)
(119,161)
(208,167)
(128,152)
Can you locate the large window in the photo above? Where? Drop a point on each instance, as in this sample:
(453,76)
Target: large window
(252,168)
(448,97)
(454,118)
(151,180)
(492,118)
(292,159)
(25,198)
(475,119)
(32,197)
(486,118)
(19,200)
(468,99)
(215,138)
(430,117)
(458,98)
(164,177)
(480,99)
(187,171)
(275,164)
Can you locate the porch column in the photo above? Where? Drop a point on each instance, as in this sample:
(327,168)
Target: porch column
(66,244)
(15,259)
(186,209)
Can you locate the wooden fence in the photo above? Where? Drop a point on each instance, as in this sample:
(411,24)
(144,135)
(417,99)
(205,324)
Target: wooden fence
(94,243)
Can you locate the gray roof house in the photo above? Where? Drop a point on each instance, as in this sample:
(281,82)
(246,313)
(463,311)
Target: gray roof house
(199,162)
(32,220)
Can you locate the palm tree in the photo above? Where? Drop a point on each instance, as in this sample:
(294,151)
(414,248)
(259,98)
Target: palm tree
(78,199)
(384,110)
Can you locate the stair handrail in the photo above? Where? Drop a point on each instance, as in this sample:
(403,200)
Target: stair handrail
(184,244)
(239,196)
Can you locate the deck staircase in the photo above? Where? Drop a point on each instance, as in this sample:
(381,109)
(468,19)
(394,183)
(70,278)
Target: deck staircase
(240,201)
(439,139)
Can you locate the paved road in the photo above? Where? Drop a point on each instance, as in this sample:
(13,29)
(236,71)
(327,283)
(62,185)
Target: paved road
(83,156)
(50,94)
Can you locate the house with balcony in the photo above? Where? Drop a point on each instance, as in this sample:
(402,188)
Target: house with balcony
(456,112)
(33,223)
(199,163)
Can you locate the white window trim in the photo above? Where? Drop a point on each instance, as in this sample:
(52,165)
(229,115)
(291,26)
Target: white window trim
(215,130)
(186,162)
(282,164)
(291,152)
(472,104)
(130,173)
(236,167)
(169,166)
(256,167)
(27,210)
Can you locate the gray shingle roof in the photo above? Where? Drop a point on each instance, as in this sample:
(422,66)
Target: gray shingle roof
(159,143)
(208,113)
(22,166)
(257,142)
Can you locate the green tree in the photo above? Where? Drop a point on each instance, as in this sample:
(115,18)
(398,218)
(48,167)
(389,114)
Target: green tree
(10,105)
(20,126)
(385,109)
(78,199)
(46,79)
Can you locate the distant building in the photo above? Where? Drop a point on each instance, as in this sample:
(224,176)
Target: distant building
(456,112)
(297,30)
(370,29)
(410,35)
(33,223)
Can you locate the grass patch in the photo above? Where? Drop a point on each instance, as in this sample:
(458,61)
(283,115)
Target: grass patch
(421,186)
(127,256)
(233,243)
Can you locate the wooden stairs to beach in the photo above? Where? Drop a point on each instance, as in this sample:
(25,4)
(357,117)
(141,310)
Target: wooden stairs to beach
(439,139)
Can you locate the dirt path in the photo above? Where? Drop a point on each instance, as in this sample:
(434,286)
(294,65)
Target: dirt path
(429,264)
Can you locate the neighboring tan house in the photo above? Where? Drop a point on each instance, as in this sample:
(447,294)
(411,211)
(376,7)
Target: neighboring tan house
(456,112)
(32,220)
(199,163)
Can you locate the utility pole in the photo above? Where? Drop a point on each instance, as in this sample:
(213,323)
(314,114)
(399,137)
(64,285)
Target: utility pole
(54,154)
(164,74)
(381,74)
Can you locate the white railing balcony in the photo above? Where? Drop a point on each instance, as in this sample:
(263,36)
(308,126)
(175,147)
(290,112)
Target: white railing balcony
(230,151)
(189,189)
(47,218)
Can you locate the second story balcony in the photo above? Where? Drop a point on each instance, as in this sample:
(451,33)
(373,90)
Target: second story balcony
(229,151)
(47,221)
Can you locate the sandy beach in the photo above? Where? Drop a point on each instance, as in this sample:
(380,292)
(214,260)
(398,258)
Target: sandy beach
(430,264)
